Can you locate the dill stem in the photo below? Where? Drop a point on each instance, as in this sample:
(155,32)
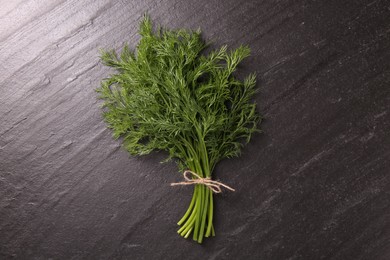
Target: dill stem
(205,212)
(199,215)
(210,216)
(189,210)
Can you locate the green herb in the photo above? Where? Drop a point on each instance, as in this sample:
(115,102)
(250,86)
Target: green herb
(169,95)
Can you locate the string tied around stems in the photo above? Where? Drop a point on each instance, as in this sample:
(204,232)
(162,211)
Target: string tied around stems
(214,186)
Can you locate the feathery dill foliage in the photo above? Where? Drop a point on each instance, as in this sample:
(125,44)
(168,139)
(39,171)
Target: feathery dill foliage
(167,95)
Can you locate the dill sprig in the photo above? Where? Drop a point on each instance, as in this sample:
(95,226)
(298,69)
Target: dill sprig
(169,95)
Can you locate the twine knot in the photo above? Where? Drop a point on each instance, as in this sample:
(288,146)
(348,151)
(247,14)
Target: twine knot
(214,186)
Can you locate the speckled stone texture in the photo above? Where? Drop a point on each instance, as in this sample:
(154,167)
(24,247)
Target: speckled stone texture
(314,185)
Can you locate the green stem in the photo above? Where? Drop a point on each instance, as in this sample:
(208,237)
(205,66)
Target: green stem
(210,216)
(198,218)
(205,213)
(189,210)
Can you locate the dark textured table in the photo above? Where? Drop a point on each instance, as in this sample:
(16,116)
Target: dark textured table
(314,185)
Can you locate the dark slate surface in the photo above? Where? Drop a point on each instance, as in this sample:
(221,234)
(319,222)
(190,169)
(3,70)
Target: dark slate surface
(315,185)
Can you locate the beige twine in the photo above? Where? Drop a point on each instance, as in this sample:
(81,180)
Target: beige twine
(214,186)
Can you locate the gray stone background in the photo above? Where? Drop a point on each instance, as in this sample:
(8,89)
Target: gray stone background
(314,185)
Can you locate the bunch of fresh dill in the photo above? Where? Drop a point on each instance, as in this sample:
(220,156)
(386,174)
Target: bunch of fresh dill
(168,95)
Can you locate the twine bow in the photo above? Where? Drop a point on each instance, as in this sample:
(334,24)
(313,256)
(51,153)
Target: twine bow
(214,186)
